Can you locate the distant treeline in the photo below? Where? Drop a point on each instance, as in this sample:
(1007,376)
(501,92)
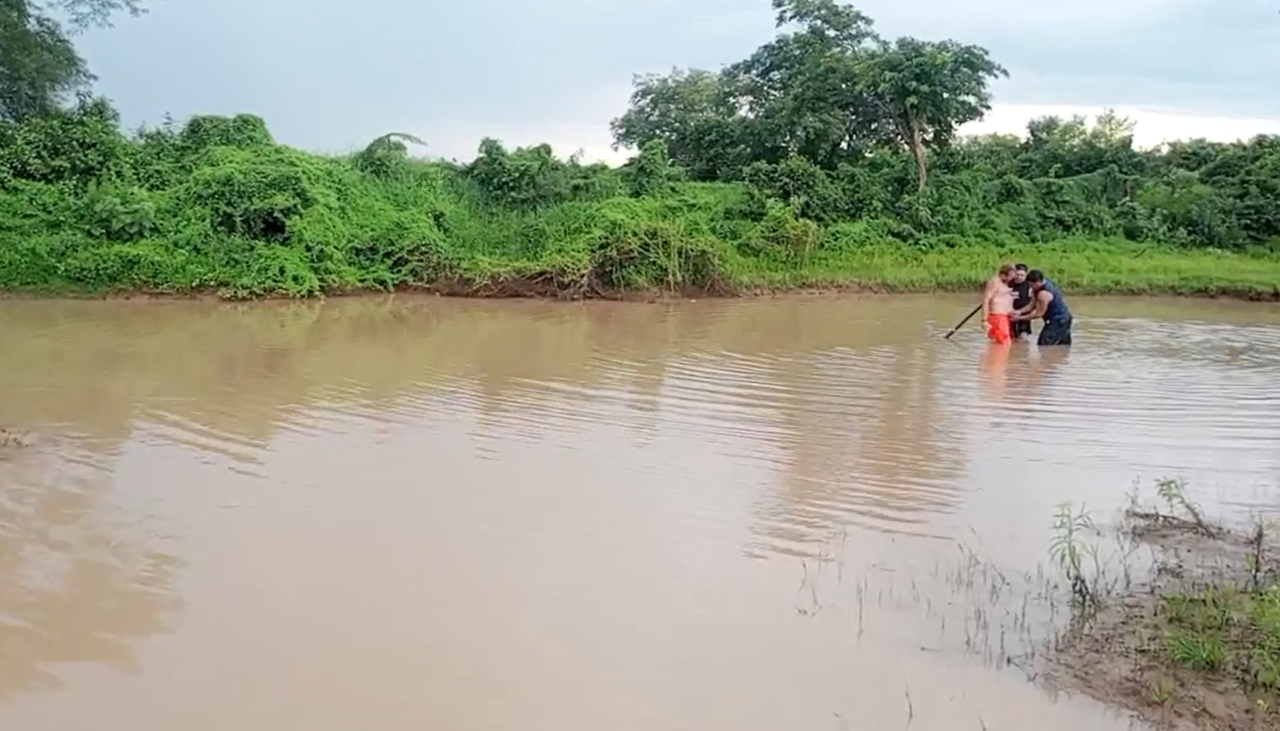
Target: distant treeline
(827,150)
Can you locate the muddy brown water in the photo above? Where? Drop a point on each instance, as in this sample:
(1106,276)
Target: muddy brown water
(437,514)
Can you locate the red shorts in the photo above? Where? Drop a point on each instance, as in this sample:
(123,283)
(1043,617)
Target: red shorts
(1000,328)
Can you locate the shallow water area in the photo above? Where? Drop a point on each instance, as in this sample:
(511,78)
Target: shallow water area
(411,513)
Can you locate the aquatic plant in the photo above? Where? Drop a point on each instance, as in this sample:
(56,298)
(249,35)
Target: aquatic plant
(1068,550)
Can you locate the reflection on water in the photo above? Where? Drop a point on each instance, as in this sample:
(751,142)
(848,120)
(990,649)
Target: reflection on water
(76,585)
(415,513)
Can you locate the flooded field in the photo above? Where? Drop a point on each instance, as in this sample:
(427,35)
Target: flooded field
(436,514)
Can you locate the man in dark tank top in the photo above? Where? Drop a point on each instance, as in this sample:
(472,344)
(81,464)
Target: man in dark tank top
(1050,305)
(1021,301)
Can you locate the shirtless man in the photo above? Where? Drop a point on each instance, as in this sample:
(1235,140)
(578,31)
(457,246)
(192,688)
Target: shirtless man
(997,306)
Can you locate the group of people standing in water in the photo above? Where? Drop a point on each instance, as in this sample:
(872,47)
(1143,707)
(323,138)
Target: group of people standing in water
(1015,297)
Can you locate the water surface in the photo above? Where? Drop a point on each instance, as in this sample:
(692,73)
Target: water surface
(426,513)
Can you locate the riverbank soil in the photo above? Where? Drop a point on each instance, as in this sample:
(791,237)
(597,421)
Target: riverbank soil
(1197,646)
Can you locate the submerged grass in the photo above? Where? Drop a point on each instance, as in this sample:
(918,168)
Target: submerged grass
(1165,614)
(10,438)
(1196,644)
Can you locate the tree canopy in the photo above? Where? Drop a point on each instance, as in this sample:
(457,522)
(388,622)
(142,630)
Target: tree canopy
(827,88)
(39,66)
(822,116)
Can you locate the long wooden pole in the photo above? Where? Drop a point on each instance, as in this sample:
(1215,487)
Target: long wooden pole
(959,325)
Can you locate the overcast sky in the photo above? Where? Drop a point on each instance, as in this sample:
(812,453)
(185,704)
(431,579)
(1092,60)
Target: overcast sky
(333,74)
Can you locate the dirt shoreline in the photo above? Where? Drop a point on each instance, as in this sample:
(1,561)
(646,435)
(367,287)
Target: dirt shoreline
(543,289)
(1193,645)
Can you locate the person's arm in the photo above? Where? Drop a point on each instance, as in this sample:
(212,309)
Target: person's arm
(1041,303)
(987,294)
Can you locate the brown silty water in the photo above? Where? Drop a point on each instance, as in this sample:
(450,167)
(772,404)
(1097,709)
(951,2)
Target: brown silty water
(436,514)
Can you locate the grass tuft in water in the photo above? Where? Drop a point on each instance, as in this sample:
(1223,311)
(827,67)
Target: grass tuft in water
(1073,557)
(11,438)
(1186,631)
(1199,639)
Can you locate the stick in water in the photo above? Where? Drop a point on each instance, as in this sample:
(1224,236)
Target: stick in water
(967,318)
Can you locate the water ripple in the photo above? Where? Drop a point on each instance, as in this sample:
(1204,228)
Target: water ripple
(808,418)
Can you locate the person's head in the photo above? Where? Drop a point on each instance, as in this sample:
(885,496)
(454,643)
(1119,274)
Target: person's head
(1019,273)
(1005,273)
(1036,278)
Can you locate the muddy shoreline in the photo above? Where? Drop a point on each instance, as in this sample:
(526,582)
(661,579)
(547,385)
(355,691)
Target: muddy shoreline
(1195,642)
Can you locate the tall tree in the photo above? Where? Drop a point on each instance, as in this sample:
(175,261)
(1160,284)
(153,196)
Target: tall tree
(800,88)
(925,90)
(39,66)
(692,112)
(1063,148)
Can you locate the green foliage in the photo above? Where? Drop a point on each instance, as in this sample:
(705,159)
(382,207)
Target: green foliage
(118,213)
(243,131)
(1227,630)
(876,120)
(387,156)
(693,114)
(651,172)
(922,91)
(39,66)
(254,194)
(529,178)
(1068,550)
(73,147)
(828,156)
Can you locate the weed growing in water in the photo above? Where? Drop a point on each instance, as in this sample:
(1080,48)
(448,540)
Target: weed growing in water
(1068,553)
(10,438)
(1257,557)
(1201,642)
(1174,494)
(1163,691)
(1192,635)
(1180,513)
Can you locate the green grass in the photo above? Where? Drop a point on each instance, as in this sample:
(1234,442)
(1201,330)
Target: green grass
(218,206)
(1079,266)
(1225,630)
(1196,642)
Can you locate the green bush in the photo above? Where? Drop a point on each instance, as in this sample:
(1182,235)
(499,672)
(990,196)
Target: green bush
(218,204)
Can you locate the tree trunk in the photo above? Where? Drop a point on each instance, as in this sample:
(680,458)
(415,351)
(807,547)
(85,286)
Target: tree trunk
(922,163)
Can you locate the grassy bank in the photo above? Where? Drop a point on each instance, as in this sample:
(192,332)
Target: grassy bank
(1196,644)
(831,157)
(1080,267)
(216,205)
